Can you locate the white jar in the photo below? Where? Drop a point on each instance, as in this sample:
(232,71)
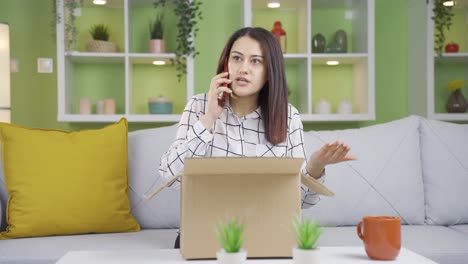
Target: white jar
(345,107)
(323,107)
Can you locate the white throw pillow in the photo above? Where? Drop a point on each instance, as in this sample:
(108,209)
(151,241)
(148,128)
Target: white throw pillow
(385,180)
(145,148)
(445,171)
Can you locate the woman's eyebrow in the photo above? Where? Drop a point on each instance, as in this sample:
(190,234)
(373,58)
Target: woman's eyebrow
(240,53)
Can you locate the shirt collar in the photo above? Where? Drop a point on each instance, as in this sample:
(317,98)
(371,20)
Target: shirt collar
(253,115)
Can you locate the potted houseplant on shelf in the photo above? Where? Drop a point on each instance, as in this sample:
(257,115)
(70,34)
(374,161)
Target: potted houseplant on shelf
(307,233)
(442,16)
(456,102)
(100,41)
(230,237)
(188,13)
(156,43)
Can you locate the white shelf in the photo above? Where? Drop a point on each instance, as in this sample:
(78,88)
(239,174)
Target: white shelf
(94,118)
(452,58)
(305,68)
(337,117)
(361,72)
(93,57)
(433,60)
(348,58)
(450,116)
(76,65)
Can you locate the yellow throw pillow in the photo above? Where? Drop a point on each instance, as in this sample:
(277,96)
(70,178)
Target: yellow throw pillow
(63,183)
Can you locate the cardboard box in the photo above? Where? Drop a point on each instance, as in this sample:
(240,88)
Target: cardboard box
(263,193)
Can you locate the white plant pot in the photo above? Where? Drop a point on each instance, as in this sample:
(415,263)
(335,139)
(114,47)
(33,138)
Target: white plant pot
(231,258)
(306,256)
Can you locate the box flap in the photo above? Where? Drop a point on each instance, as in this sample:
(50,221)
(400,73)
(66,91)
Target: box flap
(242,166)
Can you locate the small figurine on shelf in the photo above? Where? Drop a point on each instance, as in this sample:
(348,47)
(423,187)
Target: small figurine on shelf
(280,35)
(323,107)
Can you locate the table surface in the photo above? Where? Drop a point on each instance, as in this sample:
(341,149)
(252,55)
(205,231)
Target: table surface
(328,255)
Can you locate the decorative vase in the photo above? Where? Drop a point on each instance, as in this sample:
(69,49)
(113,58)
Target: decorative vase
(157,46)
(341,41)
(345,107)
(318,43)
(456,102)
(306,256)
(231,258)
(159,105)
(323,107)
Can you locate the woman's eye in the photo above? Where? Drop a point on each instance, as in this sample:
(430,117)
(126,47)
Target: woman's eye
(256,61)
(236,58)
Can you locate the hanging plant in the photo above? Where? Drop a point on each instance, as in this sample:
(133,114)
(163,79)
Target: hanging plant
(442,16)
(70,29)
(188,12)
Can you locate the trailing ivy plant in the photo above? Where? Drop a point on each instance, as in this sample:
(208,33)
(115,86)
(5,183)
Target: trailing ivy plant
(189,13)
(69,24)
(442,21)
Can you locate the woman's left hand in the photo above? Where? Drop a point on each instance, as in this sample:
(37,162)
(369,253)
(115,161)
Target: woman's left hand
(330,153)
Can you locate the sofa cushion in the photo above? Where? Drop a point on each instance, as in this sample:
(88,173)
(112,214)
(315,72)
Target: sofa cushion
(385,180)
(47,250)
(145,148)
(460,228)
(445,171)
(439,243)
(66,182)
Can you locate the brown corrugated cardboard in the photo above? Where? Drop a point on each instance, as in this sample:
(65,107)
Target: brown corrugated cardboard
(263,193)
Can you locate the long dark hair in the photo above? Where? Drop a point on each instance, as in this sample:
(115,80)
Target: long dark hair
(273,97)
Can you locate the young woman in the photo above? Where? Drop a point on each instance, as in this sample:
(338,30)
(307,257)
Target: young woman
(253,120)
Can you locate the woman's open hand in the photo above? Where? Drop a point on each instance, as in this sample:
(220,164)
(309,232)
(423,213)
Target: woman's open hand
(330,153)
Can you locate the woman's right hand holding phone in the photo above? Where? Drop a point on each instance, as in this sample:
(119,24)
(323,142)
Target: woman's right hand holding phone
(214,107)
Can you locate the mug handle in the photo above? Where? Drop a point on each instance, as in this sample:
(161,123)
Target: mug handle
(359,231)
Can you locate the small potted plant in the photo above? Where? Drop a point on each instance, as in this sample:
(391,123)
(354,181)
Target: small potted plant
(457,102)
(307,234)
(230,237)
(156,43)
(100,41)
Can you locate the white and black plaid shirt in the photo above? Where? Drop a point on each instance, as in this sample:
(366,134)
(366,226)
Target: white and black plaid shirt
(232,137)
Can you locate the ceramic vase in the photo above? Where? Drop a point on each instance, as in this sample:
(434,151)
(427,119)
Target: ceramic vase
(456,102)
(318,43)
(157,46)
(224,257)
(345,107)
(323,107)
(341,41)
(306,256)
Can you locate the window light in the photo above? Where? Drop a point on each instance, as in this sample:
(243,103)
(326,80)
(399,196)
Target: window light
(5,111)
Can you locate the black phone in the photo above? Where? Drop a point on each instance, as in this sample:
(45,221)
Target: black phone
(223,96)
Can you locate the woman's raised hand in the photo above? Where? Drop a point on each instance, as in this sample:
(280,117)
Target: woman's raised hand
(330,153)
(213,108)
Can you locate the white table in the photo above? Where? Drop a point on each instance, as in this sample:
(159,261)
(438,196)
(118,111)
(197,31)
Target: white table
(329,255)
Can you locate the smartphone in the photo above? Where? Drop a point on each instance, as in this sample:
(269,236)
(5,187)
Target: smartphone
(223,95)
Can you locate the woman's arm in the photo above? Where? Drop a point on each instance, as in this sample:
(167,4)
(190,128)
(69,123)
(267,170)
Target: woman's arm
(192,140)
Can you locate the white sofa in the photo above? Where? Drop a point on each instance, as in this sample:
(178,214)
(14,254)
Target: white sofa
(413,168)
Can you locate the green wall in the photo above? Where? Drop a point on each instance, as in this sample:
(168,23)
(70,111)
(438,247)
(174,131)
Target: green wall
(34,95)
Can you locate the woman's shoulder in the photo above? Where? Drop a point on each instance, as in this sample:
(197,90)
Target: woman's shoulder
(197,101)
(292,111)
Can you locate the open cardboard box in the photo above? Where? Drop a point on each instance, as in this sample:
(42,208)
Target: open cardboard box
(263,193)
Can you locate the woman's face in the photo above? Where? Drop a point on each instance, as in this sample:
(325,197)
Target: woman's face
(247,68)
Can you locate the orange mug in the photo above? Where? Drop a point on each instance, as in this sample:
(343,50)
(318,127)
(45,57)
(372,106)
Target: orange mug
(381,236)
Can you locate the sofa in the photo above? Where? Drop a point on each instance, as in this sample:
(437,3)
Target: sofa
(413,168)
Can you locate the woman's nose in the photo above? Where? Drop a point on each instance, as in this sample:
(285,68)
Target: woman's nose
(244,67)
